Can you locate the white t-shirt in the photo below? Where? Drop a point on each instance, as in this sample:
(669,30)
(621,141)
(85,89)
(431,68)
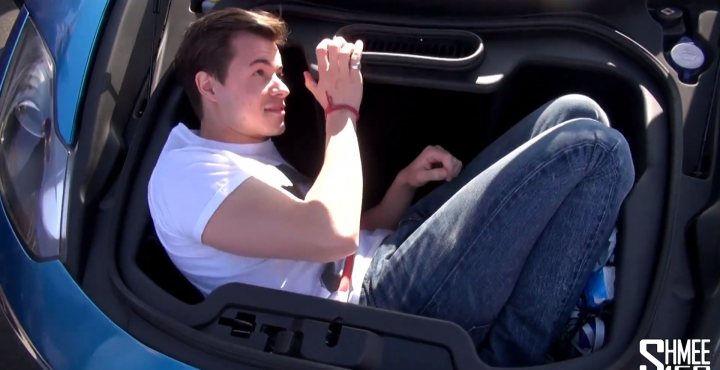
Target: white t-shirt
(191,179)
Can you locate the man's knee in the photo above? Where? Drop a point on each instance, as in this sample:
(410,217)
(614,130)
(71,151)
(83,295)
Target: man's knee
(580,106)
(590,130)
(610,140)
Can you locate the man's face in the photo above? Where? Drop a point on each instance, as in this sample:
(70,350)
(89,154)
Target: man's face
(250,104)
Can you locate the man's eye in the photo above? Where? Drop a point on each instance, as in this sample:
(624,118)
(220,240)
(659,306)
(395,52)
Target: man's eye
(260,73)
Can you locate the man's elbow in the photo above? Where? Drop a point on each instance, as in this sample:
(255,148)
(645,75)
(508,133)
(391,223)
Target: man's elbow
(336,236)
(337,247)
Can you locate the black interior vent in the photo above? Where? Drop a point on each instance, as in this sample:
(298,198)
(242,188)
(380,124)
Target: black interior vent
(431,46)
(416,47)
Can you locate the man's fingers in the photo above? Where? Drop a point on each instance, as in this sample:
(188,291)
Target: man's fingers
(452,164)
(448,163)
(441,149)
(332,54)
(311,85)
(435,150)
(335,80)
(321,52)
(435,155)
(357,51)
(458,167)
(355,58)
(436,174)
(344,58)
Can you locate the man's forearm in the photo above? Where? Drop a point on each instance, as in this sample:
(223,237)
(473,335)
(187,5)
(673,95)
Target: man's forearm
(388,212)
(339,185)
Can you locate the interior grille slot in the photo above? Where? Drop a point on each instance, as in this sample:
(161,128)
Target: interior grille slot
(420,45)
(414,47)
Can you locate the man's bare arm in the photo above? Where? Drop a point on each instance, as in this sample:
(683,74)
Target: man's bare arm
(387,213)
(256,220)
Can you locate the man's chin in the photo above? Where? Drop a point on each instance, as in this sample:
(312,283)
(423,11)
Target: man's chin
(279,130)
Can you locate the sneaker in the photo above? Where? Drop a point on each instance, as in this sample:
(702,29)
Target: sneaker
(591,337)
(601,287)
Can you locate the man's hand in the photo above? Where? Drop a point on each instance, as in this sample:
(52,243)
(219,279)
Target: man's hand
(339,73)
(433,164)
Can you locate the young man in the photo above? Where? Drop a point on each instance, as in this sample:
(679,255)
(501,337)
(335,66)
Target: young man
(503,247)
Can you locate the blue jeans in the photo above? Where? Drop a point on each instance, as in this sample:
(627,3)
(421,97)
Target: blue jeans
(505,249)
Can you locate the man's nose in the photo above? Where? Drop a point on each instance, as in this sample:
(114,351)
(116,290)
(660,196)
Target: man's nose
(279,88)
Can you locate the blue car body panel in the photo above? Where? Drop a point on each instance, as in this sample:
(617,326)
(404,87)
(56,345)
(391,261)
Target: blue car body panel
(65,326)
(70,29)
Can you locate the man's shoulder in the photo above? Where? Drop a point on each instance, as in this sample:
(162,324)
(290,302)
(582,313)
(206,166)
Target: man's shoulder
(181,153)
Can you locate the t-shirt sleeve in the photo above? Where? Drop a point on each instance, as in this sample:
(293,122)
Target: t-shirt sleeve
(187,187)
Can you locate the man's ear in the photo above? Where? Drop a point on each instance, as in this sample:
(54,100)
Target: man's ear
(205,84)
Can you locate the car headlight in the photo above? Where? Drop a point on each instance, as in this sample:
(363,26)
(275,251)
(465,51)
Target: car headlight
(33,160)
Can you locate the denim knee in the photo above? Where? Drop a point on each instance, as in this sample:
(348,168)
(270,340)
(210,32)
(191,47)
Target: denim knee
(622,160)
(614,147)
(580,106)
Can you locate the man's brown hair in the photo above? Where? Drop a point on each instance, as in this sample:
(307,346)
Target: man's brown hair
(207,45)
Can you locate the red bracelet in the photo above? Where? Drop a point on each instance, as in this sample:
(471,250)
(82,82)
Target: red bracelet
(333,108)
